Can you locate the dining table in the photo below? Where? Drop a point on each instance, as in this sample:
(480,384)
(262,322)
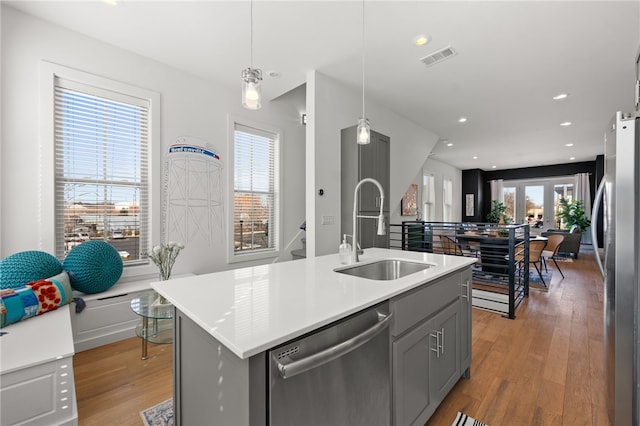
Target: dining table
(493,249)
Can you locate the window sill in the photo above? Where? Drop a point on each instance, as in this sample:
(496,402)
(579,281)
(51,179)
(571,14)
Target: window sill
(251,256)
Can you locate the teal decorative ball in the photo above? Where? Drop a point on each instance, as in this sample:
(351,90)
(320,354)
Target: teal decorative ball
(93,266)
(20,268)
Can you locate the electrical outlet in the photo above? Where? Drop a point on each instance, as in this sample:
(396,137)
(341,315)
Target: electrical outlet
(327,220)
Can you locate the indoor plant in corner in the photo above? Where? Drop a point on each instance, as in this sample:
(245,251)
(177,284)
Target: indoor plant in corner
(572,213)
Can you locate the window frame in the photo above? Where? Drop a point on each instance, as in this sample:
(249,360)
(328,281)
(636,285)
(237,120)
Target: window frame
(47,219)
(232,255)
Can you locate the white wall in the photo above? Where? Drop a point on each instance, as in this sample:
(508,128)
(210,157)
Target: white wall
(189,106)
(331,107)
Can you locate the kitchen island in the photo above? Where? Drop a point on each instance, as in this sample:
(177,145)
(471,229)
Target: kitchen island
(227,321)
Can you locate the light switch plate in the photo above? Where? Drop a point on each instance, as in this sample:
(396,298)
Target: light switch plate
(327,220)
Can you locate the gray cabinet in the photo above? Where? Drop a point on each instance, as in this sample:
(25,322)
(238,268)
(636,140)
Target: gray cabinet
(356,163)
(431,350)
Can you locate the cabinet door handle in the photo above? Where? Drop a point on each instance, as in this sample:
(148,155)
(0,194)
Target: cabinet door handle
(467,290)
(437,348)
(442,341)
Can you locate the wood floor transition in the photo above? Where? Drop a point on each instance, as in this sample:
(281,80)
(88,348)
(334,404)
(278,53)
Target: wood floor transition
(543,368)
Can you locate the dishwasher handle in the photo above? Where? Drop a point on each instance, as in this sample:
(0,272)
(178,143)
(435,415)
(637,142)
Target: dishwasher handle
(324,356)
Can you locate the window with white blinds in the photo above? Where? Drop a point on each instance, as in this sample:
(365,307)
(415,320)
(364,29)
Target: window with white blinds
(447,200)
(428,197)
(255,186)
(101,169)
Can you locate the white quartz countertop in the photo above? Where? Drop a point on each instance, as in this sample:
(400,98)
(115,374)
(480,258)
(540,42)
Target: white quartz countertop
(253,309)
(36,340)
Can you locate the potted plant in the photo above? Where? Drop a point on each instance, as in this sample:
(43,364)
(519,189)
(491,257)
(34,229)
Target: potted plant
(572,213)
(496,215)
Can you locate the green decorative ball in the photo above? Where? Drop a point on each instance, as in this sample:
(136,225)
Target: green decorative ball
(93,266)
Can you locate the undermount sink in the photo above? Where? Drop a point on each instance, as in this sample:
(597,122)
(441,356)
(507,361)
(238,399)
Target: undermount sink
(386,269)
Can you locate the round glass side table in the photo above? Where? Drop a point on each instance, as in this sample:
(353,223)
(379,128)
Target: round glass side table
(160,329)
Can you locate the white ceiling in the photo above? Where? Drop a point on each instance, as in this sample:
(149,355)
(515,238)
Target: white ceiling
(513,57)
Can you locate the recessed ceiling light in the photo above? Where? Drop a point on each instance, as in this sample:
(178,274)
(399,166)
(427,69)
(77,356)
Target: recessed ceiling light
(421,40)
(449,144)
(560,96)
(566,123)
(274,74)
(568,144)
(493,167)
(475,157)
(462,120)
(572,158)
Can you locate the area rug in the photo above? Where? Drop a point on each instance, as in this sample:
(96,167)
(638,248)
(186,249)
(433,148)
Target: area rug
(464,420)
(159,415)
(536,283)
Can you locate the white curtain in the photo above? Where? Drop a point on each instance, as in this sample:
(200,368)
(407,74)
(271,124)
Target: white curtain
(497,190)
(582,192)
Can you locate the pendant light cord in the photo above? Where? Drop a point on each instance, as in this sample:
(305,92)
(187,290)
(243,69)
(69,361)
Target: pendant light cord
(251,36)
(363,59)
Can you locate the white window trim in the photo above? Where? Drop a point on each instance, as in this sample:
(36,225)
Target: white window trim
(232,257)
(46,223)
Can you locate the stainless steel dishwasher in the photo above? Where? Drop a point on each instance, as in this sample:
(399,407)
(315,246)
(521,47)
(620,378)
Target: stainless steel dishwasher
(339,375)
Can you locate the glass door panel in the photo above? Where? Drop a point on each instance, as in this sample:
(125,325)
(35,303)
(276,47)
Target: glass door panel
(510,203)
(560,191)
(534,205)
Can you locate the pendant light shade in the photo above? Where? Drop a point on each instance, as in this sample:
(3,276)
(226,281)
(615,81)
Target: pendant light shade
(364,128)
(251,88)
(251,80)
(364,131)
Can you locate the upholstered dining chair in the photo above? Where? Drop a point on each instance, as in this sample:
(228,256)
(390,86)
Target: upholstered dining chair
(551,250)
(449,246)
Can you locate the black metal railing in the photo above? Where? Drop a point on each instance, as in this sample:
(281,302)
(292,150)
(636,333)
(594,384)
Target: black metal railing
(501,272)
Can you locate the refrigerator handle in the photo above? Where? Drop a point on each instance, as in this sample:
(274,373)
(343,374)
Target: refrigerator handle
(594,216)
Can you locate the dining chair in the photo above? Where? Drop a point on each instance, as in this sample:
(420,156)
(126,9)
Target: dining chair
(551,250)
(536,248)
(449,246)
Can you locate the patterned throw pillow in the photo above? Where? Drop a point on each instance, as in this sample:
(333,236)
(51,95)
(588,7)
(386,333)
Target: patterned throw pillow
(35,298)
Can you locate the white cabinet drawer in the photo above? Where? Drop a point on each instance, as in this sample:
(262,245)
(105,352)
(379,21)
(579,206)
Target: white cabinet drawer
(39,395)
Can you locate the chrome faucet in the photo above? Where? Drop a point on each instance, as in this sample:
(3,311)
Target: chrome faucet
(380,217)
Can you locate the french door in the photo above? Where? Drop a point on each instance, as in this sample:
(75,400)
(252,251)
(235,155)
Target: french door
(536,201)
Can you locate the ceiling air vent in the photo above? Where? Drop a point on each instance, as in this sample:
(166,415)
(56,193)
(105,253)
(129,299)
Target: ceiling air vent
(438,56)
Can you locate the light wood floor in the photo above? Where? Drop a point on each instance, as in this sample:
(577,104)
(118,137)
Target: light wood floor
(543,368)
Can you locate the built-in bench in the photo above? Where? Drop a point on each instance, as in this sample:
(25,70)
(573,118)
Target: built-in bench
(36,371)
(36,362)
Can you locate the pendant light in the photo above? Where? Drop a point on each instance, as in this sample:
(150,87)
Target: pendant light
(251,80)
(364,128)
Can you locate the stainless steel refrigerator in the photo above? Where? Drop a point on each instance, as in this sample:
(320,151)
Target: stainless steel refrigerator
(618,192)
